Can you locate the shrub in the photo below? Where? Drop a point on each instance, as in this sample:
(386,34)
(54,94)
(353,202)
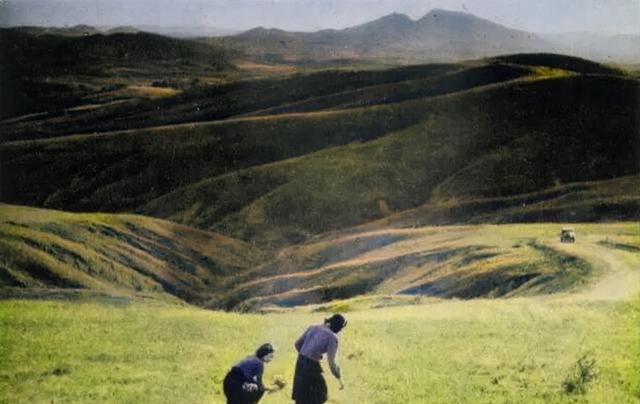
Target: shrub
(578,378)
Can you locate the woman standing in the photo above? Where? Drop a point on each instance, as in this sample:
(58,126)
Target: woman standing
(243,383)
(309,386)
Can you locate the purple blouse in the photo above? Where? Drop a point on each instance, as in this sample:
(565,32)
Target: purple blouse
(316,341)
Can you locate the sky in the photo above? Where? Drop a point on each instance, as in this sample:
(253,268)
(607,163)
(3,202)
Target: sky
(540,16)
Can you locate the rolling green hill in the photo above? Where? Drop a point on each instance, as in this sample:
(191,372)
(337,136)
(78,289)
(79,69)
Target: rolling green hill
(472,137)
(164,158)
(459,151)
(220,101)
(45,252)
(449,262)
(49,254)
(326,89)
(41,55)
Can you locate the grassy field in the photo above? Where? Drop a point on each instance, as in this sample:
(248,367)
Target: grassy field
(485,351)
(395,350)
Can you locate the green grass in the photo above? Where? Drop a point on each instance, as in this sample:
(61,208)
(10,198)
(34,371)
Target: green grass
(485,351)
(628,336)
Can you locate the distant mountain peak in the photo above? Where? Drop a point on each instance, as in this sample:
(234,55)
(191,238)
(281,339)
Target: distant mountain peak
(442,11)
(262,31)
(391,20)
(439,13)
(395,17)
(389,26)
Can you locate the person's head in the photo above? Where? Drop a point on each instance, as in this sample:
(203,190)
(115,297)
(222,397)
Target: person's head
(265,352)
(336,322)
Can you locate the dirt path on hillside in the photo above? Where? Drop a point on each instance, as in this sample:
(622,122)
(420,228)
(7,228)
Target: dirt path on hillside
(620,279)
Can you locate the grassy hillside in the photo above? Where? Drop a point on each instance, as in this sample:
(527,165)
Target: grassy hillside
(459,151)
(299,92)
(606,200)
(452,262)
(52,253)
(484,132)
(564,62)
(219,101)
(463,79)
(49,252)
(167,157)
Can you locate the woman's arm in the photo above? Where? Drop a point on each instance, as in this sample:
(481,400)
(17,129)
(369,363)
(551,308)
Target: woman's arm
(259,374)
(332,351)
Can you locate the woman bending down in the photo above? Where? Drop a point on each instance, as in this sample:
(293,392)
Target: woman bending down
(243,384)
(309,386)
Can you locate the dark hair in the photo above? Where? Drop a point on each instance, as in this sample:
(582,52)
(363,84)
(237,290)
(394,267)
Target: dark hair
(264,350)
(336,322)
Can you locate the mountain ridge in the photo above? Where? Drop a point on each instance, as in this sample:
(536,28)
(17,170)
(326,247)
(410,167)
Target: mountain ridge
(450,34)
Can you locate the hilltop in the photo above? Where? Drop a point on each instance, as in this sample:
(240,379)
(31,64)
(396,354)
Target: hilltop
(76,30)
(49,70)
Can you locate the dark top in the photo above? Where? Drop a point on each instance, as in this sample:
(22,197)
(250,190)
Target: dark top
(316,341)
(252,368)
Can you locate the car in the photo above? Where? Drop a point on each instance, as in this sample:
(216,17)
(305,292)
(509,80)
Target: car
(567,235)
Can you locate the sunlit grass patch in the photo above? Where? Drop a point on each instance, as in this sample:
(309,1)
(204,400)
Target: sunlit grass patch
(149,91)
(550,72)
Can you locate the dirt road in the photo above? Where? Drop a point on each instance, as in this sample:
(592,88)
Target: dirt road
(620,278)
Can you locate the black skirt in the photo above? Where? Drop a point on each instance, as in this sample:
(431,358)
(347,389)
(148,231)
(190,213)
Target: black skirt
(232,386)
(309,386)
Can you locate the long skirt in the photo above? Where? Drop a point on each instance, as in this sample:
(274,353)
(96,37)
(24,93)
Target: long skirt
(234,392)
(309,386)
